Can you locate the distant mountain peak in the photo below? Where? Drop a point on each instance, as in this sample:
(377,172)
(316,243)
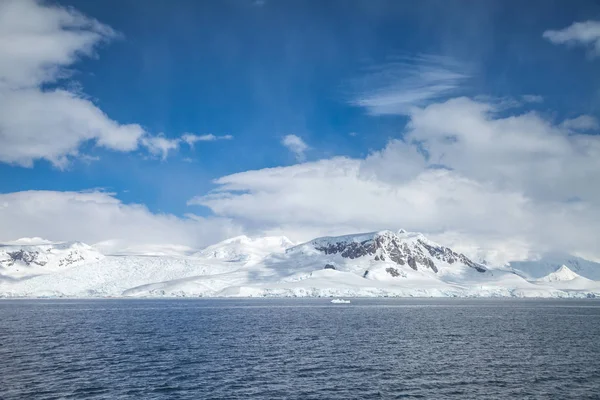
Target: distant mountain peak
(563,273)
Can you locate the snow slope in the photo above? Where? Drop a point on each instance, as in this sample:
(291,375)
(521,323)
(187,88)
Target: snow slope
(244,249)
(372,264)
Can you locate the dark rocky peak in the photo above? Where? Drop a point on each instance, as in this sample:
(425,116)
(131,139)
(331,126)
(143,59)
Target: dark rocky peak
(402,248)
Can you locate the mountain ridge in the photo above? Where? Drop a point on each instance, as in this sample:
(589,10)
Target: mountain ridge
(383,263)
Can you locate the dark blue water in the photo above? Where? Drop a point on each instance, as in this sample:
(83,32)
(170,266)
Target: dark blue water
(299,349)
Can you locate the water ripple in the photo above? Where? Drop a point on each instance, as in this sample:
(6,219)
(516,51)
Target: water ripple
(299,349)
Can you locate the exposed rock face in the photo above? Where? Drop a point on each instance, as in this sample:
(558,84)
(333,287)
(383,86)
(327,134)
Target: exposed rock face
(47,255)
(26,257)
(402,248)
(329,266)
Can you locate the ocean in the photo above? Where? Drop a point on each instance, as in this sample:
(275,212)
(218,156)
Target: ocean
(300,349)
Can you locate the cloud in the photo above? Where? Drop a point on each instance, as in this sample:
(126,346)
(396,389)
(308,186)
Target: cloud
(38,119)
(520,152)
(532,98)
(51,125)
(585,34)
(160,145)
(582,123)
(191,139)
(58,216)
(405,83)
(465,171)
(37,41)
(296,145)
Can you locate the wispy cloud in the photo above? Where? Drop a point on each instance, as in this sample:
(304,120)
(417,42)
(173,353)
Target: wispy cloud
(296,145)
(532,98)
(578,34)
(191,139)
(160,145)
(583,123)
(398,86)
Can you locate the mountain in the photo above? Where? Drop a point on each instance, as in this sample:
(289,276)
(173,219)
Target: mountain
(402,248)
(22,260)
(560,275)
(372,264)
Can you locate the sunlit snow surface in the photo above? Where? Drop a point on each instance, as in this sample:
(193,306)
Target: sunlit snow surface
(274,267)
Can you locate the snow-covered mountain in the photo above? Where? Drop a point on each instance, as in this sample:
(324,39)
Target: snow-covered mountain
(562,274)
(402,248)
(382,263)
(22,260)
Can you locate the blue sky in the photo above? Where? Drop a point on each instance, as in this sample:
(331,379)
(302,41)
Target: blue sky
(261,70)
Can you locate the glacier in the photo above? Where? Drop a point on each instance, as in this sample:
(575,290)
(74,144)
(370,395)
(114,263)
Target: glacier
(375,264)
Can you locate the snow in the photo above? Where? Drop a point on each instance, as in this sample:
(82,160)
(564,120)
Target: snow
(274,267)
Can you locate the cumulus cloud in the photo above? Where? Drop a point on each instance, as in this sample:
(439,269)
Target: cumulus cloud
(463,170)
(51,125)
(38,44)
(405,83)
(585,34)
(296,145)
(37,41)
(94,217)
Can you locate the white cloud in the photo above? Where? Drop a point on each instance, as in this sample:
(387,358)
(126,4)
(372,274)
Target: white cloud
(191,138)
(579,33)
(401,85)
(37,124)
(94,217)
(160,145)
(464,171)
(296,145)
(38,43)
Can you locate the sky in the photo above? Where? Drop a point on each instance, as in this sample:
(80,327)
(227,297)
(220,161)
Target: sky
(130,123)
